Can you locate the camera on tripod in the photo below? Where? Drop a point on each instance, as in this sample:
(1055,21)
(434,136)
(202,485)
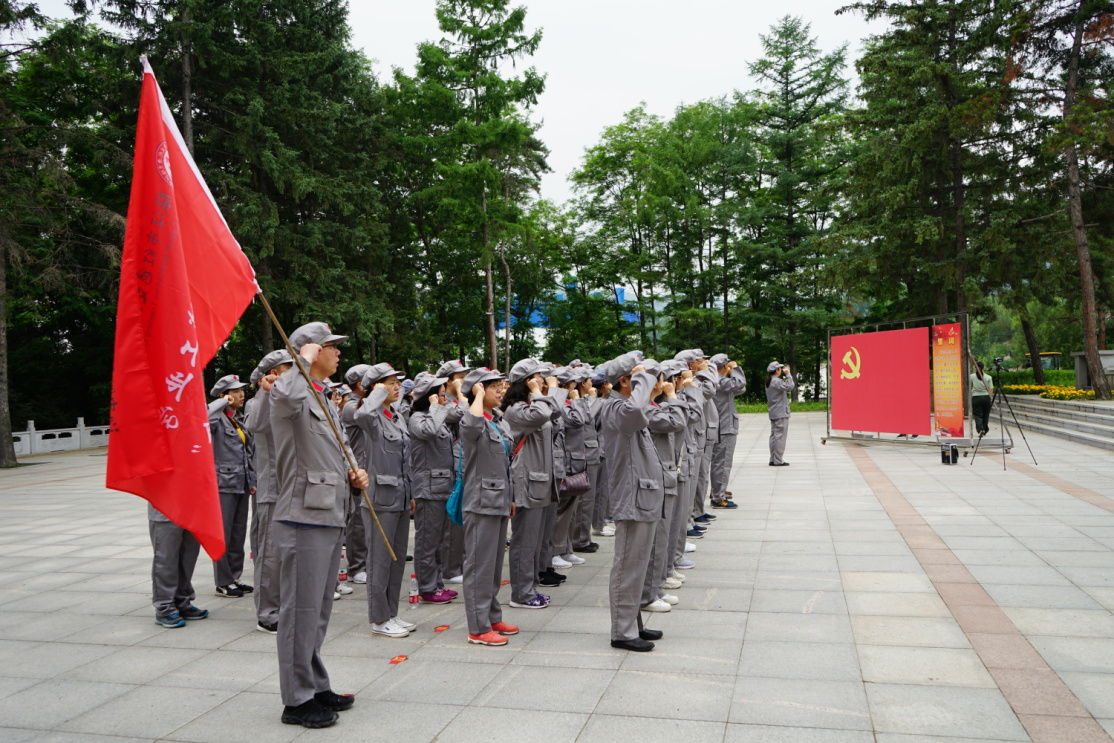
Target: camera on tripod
(998,360)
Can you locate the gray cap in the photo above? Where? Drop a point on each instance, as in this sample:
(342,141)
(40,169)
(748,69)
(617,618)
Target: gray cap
(652,366)
(774,366)
(224,384)
(425,384)
(525,369)
(638,355)
(673,367)
(599,375)
(356,373)
(379,372)
(278,357)
(575,363)
(566,375)
(450,368)
(720,360)
(621,367)
(345,390)
(315,332)
(480,375)
(407,385)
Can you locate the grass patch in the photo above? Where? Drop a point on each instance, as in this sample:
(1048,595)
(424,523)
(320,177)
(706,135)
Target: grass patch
(795,407)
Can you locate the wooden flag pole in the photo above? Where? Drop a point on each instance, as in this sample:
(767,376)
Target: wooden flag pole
(336,432)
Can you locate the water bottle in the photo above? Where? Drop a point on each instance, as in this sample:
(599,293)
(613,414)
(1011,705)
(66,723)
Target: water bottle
(414,598)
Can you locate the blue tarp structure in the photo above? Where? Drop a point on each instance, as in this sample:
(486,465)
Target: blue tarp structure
(539,319)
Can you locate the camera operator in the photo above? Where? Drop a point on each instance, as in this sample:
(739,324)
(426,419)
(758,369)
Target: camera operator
(982,387)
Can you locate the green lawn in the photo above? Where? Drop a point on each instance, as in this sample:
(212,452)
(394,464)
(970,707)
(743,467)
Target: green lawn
(796,407)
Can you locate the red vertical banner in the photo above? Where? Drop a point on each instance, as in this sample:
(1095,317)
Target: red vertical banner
(880,382)
(947,379)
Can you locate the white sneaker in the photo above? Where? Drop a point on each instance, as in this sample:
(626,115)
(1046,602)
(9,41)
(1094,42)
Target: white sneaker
(608,529)
(455,579)
(343,590)
(690,547)
(336,595)
(657,605)
(360,577)
(678,576)
(670,599)
(389,629)
(403,623)
(573,559)
(672,583)
(560,564)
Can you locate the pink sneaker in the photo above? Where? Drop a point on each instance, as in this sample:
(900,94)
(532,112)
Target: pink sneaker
(436,598)
(451,593)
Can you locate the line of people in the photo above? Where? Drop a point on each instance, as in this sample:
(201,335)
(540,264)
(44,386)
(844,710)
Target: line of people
(556,455)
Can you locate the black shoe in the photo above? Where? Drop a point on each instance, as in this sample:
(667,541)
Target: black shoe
(554,575)
(650,634)
(544,579)
(589,549)
(309,715)
(336,702)
(638,646)
(409,558)
(270,629)
(231,591)
(783,464)
(245,587)
(192,612)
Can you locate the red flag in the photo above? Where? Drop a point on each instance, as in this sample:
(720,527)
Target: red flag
(879,382)
(184,282)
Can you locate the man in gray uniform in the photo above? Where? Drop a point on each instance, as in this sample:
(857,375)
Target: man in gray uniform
(175,555)
(313,481)
(355,541)
(706,378)
(779,383)
(257,419)
(637,497)
(233,449)
(731,382)
(452,557)
(580,532)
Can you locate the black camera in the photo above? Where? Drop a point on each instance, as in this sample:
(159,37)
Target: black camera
(999,360)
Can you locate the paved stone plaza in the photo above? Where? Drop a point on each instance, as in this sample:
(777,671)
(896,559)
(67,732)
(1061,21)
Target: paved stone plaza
(862,594)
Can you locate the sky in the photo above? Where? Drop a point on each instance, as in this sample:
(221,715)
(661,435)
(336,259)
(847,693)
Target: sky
(602,58)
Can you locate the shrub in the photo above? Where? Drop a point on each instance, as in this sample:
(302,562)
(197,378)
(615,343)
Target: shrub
(1059,377)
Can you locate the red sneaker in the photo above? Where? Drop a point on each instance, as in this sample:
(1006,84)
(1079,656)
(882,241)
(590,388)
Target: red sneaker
(435,598)
(504,629)
(488,638)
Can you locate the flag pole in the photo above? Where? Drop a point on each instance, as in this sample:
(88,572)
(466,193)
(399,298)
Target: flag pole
(336,432)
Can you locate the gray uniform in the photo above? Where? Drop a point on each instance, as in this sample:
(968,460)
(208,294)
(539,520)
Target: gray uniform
(534,487)
(549,520)
(486,502)
(778,404)
(307,527)
(693,399)
(452,546)
(432,471)
(232,453)
(707,380)
(723,455)
(175,555)
(576,418)
(667,429)
(580,533)
(355,540)
(388,468)
(257,419)
(637,498)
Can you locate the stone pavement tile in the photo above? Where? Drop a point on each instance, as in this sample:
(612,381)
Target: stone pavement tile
(54,659)
(52,702)
(798,602)
(552,689)
(13,684)
(1063,622)
(983,619)
(121,630)
(62,736)
(823,628)
(713,599)
(17,735)
(1025,576)
(855,547)
(995,557)
(453,645)
(1104,596)
(1041,597)
(1059,729)
(819,563)
(774,734)
(943,711)
(480,725)
(939,573)
(348,675)
(1078,559)
(936,556)
(705,577)
(568,650)
(800,702)
(113,604)
(609,729)
(245,718)
(579,619)
(450,683)
(8,648)
(42,627)
(1006,651)
(360,643)
(135,665)
(797,580)
(222,669)
(1103,576)
(985,543)
(919,665)
(148,711)
(879,563)
(1038,544)
(891,582)
(207,634)
(1037,692)
(938,632)
(800,660)
(1094,690)
(713,655)
(1079,654)
(670,695)
(895,604)
(684,622)
(371,720)
(963,594)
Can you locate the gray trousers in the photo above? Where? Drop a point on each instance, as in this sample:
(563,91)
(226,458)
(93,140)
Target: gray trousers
(175,555)
(234,511)
(678,525)
(355,540)
(602,498)
(779,430)
(566,512)
(699,502)
(452,549)
(485,538)
(266,561)
(308,561)
(524,552)
(429,528)
(655,568)
(384,576)
(545,544)
(633,542)
(580,531)
(723,457)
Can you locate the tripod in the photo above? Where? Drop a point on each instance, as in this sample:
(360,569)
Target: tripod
(998,398)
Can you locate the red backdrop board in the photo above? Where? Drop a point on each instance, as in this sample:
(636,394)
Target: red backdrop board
(880,382)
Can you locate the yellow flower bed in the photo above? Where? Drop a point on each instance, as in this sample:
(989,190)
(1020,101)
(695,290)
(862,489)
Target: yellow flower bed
(1049,391)
(1024,389)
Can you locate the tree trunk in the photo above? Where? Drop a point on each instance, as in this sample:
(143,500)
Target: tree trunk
(1078,227)
(7,444)
(507,309)
(1102,328)
(1034,350)
(187,83)
(266,334)
(492,342)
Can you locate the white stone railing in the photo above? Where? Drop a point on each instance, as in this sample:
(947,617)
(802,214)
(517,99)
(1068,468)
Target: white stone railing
(31,441)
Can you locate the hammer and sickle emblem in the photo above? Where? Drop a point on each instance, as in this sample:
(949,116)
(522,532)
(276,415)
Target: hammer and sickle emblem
(853,366)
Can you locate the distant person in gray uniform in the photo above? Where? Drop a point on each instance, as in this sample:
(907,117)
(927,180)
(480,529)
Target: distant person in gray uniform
(355,541)
(637,497)
(257,419)
(779,383)
(233,451)
(432,472)
(452,558)
(308,524)
(175,556)
(579,430)
(487,503)
(667,418)
(388,461)
(731,383)
(580,532)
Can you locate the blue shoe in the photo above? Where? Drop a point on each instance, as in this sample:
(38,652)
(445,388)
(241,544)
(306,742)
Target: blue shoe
(192,612)
(724,504)
(694,534)
(702,519)
(171,621)
(709,516)
(685,564)
(701,527)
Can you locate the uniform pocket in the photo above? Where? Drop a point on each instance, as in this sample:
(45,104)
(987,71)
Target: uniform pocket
(670,480)
(387,489)
(440,482)
(646,499)
(493,494)
(229,478)
(321,490)
(318,422)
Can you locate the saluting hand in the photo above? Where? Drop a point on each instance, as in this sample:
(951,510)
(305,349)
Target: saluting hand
(592,392)
(551,383)
(668,390)
(686,374)
(267,382)
(310,352)
(733,365)
(455,387)
(573,394)
(358,479)
(434,399)
(534,384)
